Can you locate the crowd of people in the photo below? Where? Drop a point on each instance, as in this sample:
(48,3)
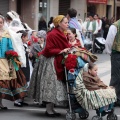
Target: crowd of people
(37,71)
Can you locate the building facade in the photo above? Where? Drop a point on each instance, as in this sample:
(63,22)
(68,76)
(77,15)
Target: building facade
(30,11)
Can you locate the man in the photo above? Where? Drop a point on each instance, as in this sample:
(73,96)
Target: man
(74,23)
(92,25)
(96,17)
(113,47)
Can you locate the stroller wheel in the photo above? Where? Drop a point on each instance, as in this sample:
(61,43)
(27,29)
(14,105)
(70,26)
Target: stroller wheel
(84,115)
(70,116)
(99,51)
(96,118)
(112,117)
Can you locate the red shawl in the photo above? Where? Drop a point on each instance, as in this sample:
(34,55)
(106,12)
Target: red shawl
(56,41)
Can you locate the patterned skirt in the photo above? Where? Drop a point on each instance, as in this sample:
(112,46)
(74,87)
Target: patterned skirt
(44,85)
(12,84)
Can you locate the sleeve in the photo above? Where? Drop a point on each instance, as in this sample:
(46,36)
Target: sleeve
(71,25)
(96,30)
(10,46)
(100,25)
(110,38)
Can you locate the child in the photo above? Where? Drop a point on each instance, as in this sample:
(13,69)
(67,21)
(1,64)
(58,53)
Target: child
(71,34)
(91,80)
(38,47)
(26,70)
(34,37)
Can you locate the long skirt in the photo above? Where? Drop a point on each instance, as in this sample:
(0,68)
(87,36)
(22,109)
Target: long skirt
(12,86)
(44,86)
(115,73)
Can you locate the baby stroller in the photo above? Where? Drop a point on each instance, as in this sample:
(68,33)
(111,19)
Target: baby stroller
(80,99)
(95,100)
(88,42)
(94,43)
(99,43)
(74,106)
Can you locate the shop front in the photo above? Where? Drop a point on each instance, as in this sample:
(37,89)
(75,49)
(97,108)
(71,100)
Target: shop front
(97,7)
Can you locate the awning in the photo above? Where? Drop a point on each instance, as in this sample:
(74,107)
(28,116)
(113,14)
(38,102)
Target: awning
(97,1)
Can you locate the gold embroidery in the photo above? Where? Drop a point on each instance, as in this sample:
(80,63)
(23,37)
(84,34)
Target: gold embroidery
(6,34)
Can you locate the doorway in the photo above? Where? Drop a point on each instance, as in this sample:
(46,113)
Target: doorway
(118,13)
(19,2)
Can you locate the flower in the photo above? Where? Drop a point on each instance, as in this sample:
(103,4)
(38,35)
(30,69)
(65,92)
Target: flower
(71,61)
(39,53)
(29,43)
(34,39)
(72,70)
(11,54)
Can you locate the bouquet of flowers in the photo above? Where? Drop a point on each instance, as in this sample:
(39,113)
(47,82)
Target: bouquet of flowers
(12,56)
(71,61)
(39,53)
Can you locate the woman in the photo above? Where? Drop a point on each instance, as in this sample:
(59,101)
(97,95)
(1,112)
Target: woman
(12,86)
(47,82)
(42,24)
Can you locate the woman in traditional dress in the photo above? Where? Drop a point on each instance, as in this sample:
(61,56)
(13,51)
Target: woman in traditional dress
(12,86)
(47,81)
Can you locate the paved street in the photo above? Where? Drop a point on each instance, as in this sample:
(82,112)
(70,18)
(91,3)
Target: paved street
(34,112)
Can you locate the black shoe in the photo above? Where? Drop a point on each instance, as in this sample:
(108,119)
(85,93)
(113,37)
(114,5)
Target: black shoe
(18,104)
(117,104)
(24,104)
(3,108)
(57,114)
(50,115)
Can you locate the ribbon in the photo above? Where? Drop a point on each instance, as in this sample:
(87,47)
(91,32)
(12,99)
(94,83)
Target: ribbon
(16,63)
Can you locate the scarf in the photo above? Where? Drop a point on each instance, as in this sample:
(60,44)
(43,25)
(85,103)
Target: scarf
(56,41)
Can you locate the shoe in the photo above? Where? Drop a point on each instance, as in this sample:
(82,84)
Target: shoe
(3,108)
(24,104)
(18,104)
(57,114)
(50,115)
(117,104)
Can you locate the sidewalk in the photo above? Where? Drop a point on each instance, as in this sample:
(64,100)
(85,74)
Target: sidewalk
(104,67)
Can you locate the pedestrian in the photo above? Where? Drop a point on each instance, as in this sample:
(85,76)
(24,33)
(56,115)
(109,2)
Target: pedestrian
(42,24)
(47,81)
(96,17)
(74,23)
(50,23)
(92,25)
(113,48)
(12,80)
